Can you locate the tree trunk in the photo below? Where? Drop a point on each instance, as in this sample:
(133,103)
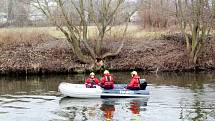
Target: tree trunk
(10,11)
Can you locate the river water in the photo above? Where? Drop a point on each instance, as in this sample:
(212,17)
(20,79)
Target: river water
(173,97)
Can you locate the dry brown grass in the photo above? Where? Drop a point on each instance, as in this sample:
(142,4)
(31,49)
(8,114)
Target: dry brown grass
(15,36)
(33,34)
(29,33)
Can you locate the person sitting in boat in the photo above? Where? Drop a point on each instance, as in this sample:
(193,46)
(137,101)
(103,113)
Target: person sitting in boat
(107,80)
(135,81)
(92,81)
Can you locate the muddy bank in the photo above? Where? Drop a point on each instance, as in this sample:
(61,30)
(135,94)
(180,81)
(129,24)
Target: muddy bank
(51,55)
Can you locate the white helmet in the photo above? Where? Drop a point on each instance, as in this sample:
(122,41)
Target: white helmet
(92,74)
(133,73)
(106,72)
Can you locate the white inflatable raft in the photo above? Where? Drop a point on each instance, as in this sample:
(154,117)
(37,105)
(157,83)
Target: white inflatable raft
(80,91)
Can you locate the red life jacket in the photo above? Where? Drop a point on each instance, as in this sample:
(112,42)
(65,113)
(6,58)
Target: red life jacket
(135,82)
(91,82)
(107,80)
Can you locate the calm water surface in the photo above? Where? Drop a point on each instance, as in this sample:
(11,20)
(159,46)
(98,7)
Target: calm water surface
(173,97)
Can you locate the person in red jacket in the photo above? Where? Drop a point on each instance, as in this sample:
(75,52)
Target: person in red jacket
(92,81)
(107,80)
(135,81)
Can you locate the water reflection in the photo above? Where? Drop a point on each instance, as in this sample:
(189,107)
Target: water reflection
(108,109)
(103,109)
(36,84)
(43,84)
(201,107)
(136,107)
(181,79)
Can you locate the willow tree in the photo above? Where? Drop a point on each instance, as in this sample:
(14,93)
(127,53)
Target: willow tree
(104,14)
(196,18)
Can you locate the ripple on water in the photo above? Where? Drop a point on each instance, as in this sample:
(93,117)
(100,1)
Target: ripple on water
(15,107)
(2,112)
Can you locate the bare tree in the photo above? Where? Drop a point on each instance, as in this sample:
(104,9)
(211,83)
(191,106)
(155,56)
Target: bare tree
(10,10)
(17,12)
(3,5)
(198,17)
(102,14)
(157,13)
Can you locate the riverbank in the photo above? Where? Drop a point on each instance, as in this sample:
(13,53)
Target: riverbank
(42,53)
(166,53)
